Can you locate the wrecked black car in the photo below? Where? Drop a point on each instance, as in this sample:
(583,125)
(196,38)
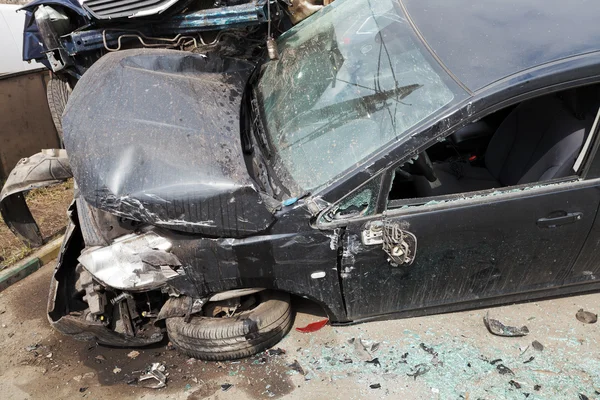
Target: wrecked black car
(390,162)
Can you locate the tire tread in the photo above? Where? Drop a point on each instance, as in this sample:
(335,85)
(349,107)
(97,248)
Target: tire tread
(219,339)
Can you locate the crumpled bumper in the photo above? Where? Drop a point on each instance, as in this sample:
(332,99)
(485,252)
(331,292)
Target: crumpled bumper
(63,311)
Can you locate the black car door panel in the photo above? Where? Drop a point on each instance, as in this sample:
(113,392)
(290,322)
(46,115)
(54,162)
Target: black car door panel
(472,249)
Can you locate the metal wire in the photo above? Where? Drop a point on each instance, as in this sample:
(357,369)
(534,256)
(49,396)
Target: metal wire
(177,41)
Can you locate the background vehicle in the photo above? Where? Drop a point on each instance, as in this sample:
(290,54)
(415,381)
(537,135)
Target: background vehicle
(68,36)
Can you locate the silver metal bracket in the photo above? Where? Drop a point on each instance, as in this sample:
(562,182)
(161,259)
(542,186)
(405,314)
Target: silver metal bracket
(398,244)
(315,205)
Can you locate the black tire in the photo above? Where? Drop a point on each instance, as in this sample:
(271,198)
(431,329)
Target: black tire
(243,335)
(57,92)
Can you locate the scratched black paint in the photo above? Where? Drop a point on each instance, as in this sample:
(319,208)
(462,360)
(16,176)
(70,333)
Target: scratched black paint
(282,259)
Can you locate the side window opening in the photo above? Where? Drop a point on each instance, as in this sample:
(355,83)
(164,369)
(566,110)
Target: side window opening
(360,203)
(537,140)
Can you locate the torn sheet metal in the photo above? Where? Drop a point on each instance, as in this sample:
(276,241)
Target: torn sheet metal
(46,168)
(151,147)
(66,312)
(156,374)
(277,261)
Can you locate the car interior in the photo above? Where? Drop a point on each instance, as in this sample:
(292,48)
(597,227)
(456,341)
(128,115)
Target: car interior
(534,141)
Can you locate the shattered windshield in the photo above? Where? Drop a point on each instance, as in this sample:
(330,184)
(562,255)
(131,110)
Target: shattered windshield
(349,80)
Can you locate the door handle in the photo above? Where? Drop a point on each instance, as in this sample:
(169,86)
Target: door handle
(553,222)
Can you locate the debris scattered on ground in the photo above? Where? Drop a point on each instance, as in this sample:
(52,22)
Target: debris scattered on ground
(132,381)
(87,375)
(537,387)
(498,328)
(116,370)
(428,349)
(529,360)
(360,349)
(191,361)
(275,352)
(537,345)
(82,389)
(435,361)
(32,347)
(583,396)
(419,369)
(375,362)
(100,358)
(133,354)
(514,384)
(314,326)
(226,386)
(49,355)
(586,317)
(297,367)
(503,369)
(156,372)
(375,386)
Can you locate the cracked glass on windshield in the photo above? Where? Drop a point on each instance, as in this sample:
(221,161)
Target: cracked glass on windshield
(350,79)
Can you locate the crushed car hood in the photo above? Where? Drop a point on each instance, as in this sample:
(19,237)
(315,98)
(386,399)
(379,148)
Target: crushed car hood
(154,135)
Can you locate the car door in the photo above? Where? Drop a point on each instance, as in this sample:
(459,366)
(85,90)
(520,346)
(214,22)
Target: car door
(468,252)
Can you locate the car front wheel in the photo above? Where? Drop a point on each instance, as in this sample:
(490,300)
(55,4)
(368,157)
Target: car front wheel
(233,329)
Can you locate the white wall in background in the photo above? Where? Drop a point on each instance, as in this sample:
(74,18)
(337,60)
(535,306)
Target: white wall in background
(11,41)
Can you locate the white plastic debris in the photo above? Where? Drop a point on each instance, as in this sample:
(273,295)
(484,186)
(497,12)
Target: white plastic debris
(156,372)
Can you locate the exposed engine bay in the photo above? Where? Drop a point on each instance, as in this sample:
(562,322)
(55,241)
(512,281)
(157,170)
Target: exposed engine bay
(68,37)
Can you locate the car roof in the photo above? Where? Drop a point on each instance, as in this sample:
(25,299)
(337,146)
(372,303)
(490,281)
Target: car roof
(483,41)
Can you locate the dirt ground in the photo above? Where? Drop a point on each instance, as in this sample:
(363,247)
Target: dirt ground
(49,208)
(449,356)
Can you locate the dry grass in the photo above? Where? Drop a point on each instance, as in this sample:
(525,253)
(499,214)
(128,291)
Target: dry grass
(49,208)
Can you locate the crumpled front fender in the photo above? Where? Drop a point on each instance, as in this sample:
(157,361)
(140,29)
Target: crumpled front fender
(46,168)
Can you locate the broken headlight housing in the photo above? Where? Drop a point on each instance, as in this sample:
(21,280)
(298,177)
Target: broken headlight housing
(135,262)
